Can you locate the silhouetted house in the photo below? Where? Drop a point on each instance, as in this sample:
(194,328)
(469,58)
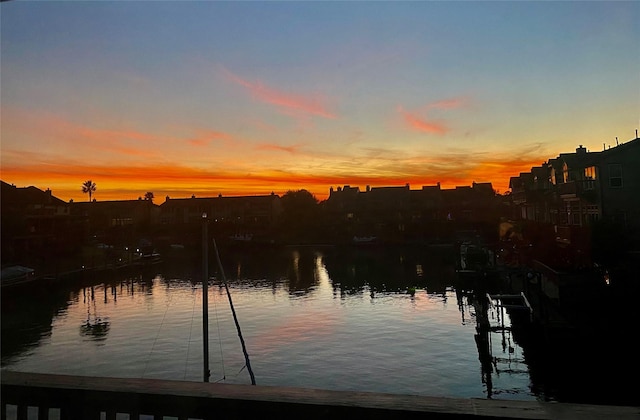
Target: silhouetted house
(122,218)
(599,185)
(471,204)
(573,191)
(342,213)
(34,222)
(342,203)
(398,213)
(237,213)
(531,193)
(519,186)
(389,208)
(427,204)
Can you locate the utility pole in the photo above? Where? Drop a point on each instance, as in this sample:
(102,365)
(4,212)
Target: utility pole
(205,296)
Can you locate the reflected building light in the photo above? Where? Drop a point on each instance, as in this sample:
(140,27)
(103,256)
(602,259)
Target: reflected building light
(419,271)
(321,271)
(296,261)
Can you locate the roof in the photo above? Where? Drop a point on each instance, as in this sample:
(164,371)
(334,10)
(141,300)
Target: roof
(25,196)
(199,200)
(112,204)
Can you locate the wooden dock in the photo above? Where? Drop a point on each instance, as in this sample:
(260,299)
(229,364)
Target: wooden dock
(86,398)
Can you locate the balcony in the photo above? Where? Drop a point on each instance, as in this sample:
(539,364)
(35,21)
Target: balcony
(585,189)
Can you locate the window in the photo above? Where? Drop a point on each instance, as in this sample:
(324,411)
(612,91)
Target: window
(589,176)
(590,172)
(573,210)
(593,213)
(615,175)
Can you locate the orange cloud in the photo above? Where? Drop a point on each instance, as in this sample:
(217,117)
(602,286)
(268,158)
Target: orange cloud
(449,103)
(429,126)
(127,163)
(291,149)
(422,125)
(286,101)
(206,137)
(119,182)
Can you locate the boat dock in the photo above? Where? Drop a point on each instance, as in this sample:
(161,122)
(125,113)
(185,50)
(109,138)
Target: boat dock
(511,301)
(82,397)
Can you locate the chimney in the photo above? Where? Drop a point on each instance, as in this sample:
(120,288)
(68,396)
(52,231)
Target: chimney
(581,150)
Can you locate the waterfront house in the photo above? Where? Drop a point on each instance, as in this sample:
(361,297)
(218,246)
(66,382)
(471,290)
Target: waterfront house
(243,216)
(35,224)
(117,220)
(398,213)
(576,192)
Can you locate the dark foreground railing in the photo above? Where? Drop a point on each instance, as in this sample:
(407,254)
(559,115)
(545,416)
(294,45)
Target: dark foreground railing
(44,396)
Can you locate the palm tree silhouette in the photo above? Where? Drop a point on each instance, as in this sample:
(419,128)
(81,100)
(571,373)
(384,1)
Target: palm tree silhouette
(89,187)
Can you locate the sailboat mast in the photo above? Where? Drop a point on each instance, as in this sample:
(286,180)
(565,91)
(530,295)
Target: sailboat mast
(235,317)
(205,297)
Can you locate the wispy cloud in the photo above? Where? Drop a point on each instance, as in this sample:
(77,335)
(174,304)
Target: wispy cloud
(126,163)
(205,137)
(416,123)
(375,167)
(451,103)
(287,102)
(294,148)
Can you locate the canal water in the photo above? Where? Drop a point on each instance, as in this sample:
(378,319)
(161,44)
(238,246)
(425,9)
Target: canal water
(394,320)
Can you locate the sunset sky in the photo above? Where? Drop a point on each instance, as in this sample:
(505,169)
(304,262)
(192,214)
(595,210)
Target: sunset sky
(244,98)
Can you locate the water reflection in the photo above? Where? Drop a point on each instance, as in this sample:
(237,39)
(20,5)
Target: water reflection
(95,327)
(361,318)
(389,270)
(27,316)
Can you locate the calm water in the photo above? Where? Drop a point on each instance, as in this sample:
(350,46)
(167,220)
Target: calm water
(384,320)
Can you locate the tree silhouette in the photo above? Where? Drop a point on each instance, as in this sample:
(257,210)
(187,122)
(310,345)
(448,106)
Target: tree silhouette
(299,203)
(300,213)
(149,196)
(89,187)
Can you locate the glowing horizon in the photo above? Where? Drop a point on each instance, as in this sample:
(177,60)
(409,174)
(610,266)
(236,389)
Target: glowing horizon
(247,98)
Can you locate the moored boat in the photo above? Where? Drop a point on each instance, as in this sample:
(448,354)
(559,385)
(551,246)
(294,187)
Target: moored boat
(16,275)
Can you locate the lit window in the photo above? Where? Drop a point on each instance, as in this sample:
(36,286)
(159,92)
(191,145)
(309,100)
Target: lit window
(590,172)
(589,176)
